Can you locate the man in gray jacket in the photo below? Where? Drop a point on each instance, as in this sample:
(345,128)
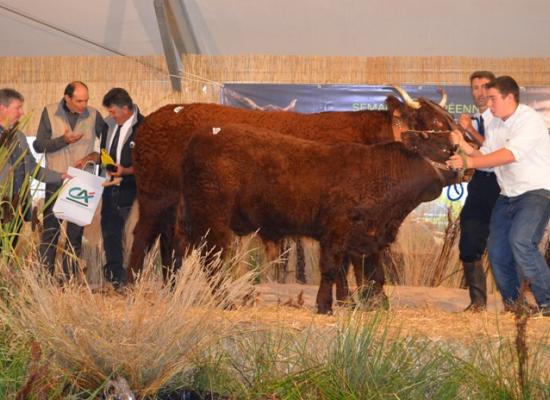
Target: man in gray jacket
(66,133)
(17,164)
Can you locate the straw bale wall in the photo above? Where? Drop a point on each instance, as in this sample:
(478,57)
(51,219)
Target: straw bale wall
(42,79)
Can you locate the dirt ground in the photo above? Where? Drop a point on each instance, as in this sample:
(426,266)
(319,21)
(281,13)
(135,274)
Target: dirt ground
(435,313)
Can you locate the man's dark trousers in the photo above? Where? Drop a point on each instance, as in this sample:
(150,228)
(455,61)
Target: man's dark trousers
(50,237)
(115,210)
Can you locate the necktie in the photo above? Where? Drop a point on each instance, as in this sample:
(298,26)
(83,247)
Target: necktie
(114,143)
(481,126)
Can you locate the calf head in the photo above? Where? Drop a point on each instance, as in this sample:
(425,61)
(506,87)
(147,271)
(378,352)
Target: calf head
(435,146)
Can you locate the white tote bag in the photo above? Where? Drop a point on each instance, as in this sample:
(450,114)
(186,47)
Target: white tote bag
(79,197)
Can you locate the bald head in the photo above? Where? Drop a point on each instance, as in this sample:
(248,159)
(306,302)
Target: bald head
(76,96)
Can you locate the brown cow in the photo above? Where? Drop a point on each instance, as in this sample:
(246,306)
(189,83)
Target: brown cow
(162,139)
(351,198)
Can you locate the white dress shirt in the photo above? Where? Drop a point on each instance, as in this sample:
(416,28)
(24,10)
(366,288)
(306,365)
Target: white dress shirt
(487,118)
(525,135)
(122,138)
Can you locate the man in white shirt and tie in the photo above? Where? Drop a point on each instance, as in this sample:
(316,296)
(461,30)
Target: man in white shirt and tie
(118,140)
(483,191)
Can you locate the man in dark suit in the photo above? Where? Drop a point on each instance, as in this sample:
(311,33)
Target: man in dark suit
(483,191)
(118,140)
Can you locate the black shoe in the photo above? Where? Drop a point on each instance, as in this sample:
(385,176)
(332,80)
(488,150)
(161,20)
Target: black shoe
(115,277)
(477,286)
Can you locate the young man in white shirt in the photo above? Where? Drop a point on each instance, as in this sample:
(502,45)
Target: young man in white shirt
(519,149)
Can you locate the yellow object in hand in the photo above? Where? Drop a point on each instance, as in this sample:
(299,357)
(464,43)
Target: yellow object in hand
(107,161)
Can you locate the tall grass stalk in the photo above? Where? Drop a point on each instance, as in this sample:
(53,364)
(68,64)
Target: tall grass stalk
(500,369)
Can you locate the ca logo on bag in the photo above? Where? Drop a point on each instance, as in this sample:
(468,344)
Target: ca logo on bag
(80,196)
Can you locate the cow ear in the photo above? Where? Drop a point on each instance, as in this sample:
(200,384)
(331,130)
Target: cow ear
(394,105)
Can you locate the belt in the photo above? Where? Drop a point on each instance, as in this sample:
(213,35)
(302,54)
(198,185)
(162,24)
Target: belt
(484,173)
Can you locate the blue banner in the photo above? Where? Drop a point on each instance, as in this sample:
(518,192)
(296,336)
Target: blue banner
(318,98)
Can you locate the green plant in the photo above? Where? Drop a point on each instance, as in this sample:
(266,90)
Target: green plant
(14,358)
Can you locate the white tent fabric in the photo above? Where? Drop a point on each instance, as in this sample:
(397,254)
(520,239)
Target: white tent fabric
(127,26)
(493,28)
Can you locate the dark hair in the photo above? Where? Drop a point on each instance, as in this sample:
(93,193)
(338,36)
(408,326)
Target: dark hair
(482,74)
(8,95)
(117,97)
(505,85)
(70,88)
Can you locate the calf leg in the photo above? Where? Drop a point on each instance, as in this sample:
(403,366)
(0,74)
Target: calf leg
(300,261)
(283,267)
(218,239)
(342,286)
(330,262)
(211,225)
(145,233)
(172,242)
(370,278)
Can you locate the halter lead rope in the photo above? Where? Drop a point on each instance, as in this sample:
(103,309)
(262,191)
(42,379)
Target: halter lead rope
(458,188)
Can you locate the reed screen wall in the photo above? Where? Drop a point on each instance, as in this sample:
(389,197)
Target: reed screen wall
(42,79)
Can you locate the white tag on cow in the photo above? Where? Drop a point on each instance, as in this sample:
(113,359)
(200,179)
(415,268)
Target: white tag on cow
(178,109)
(216,130)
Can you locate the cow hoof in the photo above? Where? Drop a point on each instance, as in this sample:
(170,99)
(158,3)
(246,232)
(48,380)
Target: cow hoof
(378,302)
(373,301)
(326,310)
(372,297)
(347,303)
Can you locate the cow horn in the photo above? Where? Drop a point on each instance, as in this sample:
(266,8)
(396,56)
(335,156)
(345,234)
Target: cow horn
(443,101)
(408,100)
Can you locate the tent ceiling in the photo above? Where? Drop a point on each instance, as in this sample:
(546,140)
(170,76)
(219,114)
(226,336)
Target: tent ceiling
(494,28)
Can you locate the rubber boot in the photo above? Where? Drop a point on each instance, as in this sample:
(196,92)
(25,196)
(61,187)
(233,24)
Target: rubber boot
(477,285)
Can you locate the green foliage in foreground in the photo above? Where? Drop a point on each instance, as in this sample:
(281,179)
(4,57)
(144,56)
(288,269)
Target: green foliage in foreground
(14,358)
(352,360)
(360,361)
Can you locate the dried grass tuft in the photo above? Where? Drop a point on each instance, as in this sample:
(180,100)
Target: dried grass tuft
(147,334)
